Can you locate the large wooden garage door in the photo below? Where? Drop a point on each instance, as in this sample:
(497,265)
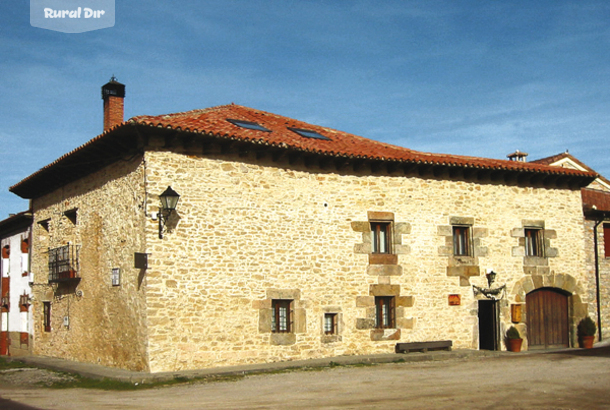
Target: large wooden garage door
(547,319)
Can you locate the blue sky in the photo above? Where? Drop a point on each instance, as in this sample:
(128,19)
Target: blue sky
(478,78)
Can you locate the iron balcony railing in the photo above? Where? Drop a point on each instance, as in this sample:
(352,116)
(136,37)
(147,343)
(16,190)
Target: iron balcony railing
(63,263)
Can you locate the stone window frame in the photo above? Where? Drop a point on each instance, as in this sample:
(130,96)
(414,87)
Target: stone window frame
(338,324)
(464,234)
(382,264)
(266,311)
(385,312)
(534,241)
(534,265)
(463,266)
(370,309)
(277,324)
(376,243)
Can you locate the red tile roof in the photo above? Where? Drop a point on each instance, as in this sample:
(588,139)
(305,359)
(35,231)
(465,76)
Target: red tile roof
(105,148)
(595,200)
(554,158)
(214,121)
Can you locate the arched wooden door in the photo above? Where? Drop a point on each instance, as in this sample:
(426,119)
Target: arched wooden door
(547,319)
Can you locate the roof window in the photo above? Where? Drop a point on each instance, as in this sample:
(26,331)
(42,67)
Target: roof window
(249,125)
(309,134)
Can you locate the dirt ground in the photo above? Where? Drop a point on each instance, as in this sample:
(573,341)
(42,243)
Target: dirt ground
(576,379)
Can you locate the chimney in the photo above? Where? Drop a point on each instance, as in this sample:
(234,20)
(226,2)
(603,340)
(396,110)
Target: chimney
(518,156)
(113,94)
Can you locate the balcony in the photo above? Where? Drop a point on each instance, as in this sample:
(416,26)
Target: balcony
(63,264)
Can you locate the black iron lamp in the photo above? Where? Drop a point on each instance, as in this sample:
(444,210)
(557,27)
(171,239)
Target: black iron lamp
(169,199)
(491,277)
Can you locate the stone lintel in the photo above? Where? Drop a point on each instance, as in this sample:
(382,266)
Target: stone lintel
(461,220)
(384,290)
(535,261)
(380,216)
(294,294)
(532,223)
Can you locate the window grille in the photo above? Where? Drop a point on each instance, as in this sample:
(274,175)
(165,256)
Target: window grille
(63,263)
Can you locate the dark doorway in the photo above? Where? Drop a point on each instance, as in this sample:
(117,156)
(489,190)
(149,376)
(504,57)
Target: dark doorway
(547,319)
(489,325)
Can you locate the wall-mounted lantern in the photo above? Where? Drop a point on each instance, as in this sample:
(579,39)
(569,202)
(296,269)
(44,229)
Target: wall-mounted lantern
(169,199)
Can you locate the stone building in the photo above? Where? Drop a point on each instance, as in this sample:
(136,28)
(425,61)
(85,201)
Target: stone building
(292,241)
(16,315)
(596,209)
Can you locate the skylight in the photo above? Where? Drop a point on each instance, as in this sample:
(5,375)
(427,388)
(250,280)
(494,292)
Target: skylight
(249,125)
(309,134)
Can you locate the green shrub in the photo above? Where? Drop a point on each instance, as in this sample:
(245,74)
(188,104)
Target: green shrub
(513,333)
(586,327)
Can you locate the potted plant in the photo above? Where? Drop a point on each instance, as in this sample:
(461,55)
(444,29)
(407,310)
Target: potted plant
(513,340)
(586,332)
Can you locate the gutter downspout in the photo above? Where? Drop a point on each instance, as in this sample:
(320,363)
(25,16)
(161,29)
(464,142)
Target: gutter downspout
(597,294)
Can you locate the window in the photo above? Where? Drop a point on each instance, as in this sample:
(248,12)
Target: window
(45,224)
(115,277)
(249,125)
(63,263)
(282,316)
(607,240)
(71,215)
(330,323)
(385,315)
(46,308)
(381,237)
(309,134)
(461,241)
(534,242)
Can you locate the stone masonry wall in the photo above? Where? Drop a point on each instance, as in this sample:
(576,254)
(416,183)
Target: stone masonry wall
(103,216)
(247,232)
(604,277)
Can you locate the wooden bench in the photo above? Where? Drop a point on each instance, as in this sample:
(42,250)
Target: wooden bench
(423,346)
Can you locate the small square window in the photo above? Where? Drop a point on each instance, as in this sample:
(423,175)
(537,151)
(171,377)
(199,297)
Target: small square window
(381,234)
(116,277)
(71,215)
(45,224)
(461,241)
(330,323)
(534,242)
(385,312)
(281,321)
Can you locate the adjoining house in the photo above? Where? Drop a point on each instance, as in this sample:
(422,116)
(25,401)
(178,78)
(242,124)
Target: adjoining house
(291,241)
(15,311)
(596,209)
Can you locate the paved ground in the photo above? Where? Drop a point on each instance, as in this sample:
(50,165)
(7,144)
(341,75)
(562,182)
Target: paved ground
(572,379)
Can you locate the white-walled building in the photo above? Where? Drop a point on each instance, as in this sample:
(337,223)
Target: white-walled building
(16,318)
